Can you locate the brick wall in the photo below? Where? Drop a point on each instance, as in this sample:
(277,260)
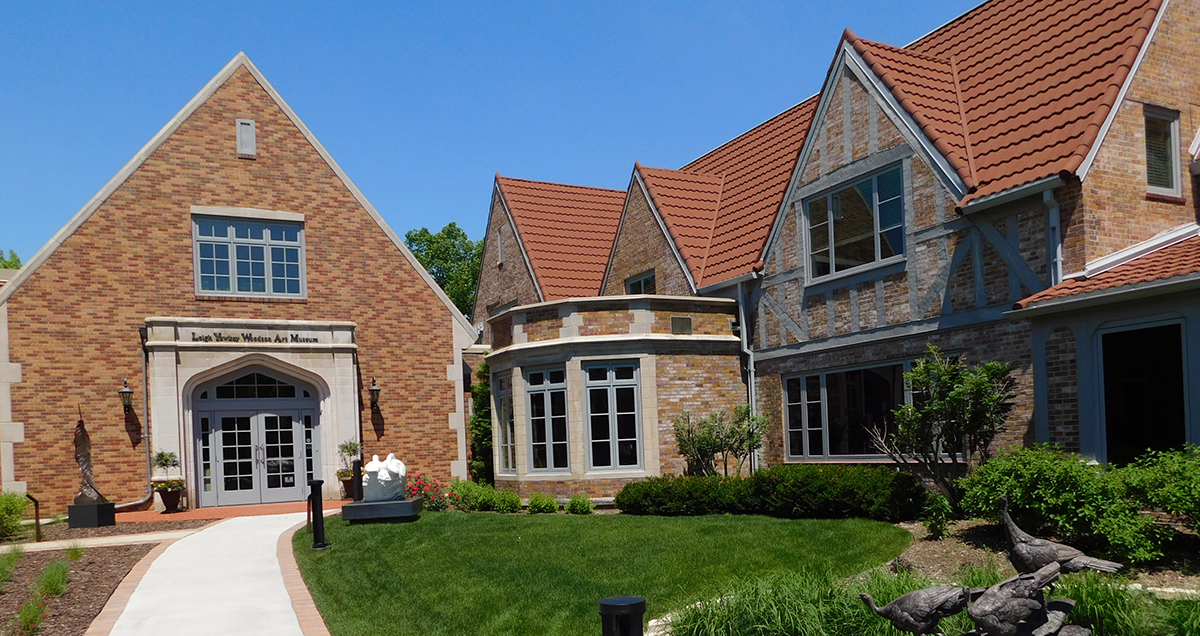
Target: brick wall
(73,324)
(640,246)
(700,384)
(501,284)
(1115,210)
(1062,389)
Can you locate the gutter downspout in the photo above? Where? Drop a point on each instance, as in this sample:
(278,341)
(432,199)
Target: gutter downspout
(145,433)
(749,352)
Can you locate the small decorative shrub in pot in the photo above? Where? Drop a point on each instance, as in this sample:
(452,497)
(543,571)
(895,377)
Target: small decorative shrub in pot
(348,451)
(542,504)
(169,491)
(580,504)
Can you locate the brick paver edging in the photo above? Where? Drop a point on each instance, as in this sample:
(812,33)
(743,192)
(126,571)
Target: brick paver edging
(311,622)
(103,623)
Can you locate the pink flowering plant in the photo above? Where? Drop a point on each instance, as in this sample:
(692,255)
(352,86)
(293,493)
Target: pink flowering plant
(436,496)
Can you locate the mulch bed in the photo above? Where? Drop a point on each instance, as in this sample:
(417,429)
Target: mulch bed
(982,544)
(60,531)
(94,577)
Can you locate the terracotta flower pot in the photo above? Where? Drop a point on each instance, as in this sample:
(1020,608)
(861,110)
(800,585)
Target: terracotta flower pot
(347,486)
(170,499)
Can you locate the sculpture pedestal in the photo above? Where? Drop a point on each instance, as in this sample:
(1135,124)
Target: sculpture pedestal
(92,515)
(382,511)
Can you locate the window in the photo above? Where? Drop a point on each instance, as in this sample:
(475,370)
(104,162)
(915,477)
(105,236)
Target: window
(613,415)
(1162,154)
(246,141)
(504,416)
(640,284)
(832,414)
(547,390)
(857,225)
(248,258)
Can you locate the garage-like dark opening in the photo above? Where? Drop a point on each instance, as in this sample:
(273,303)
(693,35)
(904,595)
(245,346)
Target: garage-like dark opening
(1143,391)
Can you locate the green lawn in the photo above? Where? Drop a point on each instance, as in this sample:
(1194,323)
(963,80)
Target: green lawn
(479,573)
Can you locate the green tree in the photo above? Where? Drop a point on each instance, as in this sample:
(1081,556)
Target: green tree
(701,441)
(451,258)
(956,412)
(479,429)
(12,262)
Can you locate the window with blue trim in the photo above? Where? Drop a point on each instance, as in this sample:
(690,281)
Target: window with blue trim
(249,258)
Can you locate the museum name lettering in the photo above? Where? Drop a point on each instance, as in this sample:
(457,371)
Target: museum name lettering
(293,338)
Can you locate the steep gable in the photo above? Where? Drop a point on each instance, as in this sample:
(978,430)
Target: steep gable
(642,245)
(228,89)
(566,232)
(688,203)
(1034,83)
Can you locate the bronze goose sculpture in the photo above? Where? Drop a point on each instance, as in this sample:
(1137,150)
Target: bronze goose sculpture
(1029,553)
(919,612)
(1004,606)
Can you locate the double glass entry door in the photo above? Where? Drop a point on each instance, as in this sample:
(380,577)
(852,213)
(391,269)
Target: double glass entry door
(259,456)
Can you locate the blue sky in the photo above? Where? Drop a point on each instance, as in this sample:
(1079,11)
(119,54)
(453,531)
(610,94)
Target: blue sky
(420,103)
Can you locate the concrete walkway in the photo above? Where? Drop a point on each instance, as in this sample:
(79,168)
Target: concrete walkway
(100,542)
(224,579)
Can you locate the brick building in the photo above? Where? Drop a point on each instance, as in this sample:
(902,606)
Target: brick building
(1015,185)
(248,294)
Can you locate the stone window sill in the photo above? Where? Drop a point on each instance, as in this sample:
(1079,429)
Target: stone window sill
(1165,198)
(251,299)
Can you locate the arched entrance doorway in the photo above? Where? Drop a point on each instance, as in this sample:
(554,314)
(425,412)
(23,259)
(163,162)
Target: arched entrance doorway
(255,438)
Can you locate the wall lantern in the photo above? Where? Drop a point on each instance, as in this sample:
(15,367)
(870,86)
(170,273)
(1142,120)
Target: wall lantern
(126,395)
(374,389)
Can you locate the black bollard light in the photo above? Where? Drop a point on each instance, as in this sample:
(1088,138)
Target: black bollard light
(318,515)
(622,615)
(356,486)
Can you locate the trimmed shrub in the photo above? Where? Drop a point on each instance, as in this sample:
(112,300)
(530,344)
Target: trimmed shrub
(12,510)
(1051,492)
(812,491)
(542,504)
(804,491)
(580,504)
(506,501)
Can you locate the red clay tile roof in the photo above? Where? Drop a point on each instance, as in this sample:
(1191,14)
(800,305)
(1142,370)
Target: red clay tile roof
(756,168)
(567,232)
(1035,80)
(1174,260)
(688,203)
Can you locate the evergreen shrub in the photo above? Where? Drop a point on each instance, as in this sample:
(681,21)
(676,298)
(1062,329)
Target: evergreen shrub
(800,491)
(542,504)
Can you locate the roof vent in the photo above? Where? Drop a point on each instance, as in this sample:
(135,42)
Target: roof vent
(247,145)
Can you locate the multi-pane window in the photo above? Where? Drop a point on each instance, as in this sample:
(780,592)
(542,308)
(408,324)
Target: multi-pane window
(249,257)
(833,414)
(857,225)
(547,392)
(640,284)
(504,417)
(613,415)
(1162,140)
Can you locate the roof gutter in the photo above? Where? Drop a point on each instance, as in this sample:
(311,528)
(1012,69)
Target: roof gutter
(1149,289)
(1033,188)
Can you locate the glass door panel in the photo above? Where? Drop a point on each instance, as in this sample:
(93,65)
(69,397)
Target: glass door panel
(236,458)
(282,457)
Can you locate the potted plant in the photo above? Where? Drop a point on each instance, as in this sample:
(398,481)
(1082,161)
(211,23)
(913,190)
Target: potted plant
(169,489)
(348,451)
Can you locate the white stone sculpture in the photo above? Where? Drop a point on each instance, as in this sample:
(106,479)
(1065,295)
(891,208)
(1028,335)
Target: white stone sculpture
(384,480)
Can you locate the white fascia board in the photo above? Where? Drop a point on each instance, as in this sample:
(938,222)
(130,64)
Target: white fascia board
(662,224)
(194,104)
(1120,257)
(1194,149)
(512,224)
(1088,160)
